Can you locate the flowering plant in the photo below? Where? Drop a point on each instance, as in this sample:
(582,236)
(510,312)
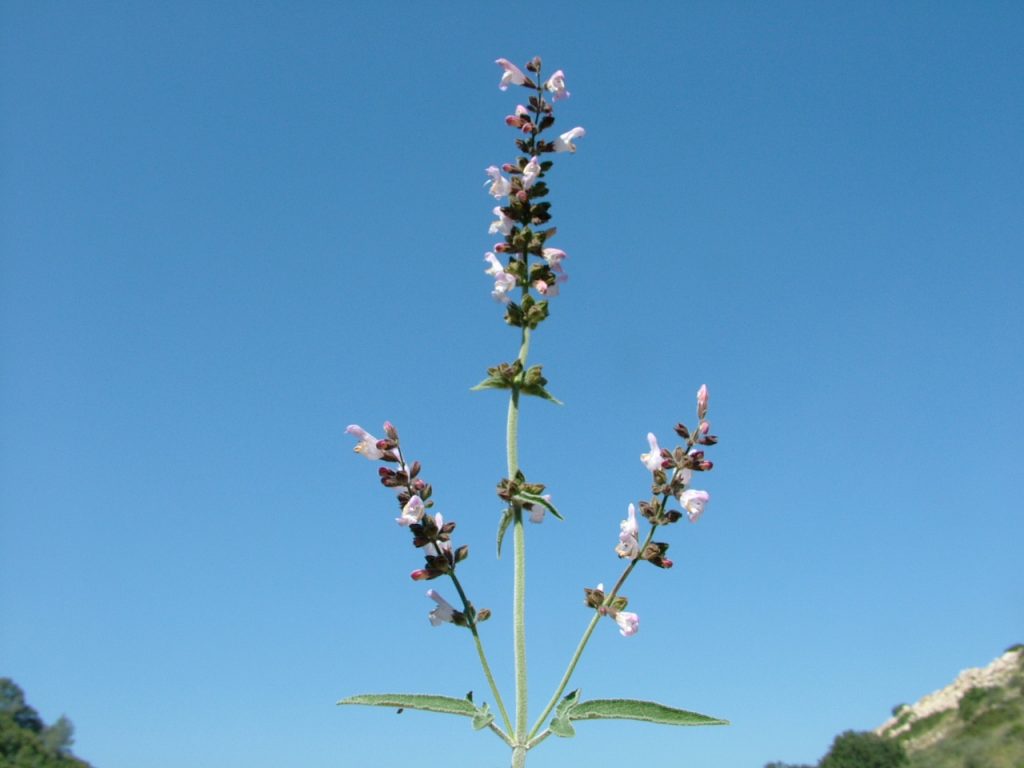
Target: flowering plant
(527,273)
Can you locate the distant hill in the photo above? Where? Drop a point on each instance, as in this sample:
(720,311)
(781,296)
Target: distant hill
(975,722)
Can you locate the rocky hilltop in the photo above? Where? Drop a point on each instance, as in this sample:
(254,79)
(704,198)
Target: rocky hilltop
(977,720)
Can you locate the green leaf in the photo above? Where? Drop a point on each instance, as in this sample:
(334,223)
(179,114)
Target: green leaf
(482,718)
(491,382)
(444,704)
(538,391)
(560,725)
(533,498)
(506,520)
(631,709)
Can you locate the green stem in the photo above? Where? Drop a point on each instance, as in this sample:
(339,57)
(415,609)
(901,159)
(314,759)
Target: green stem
(519,568)
(586,637)
(483,657)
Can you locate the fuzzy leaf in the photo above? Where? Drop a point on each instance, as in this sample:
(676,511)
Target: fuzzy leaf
(560,725)
(482,718)
(491,382)
(506,520)
(533,498)
(444,704)
(631,709)
(538,391)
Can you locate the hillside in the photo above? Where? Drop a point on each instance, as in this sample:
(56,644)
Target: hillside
(975,722)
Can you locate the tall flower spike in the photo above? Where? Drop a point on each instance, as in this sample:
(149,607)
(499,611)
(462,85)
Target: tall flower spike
(652,459)
(512,75)
(367,444)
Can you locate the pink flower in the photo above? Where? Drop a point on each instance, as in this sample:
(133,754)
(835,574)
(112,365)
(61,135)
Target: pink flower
(504,224)
(629,536)
(549,290)
(503,281)
(520,120)
(556,84)
(652,460)
(513,75)
(702,401)
(537,513)
(564,142)
(693,502)
(554,257)
(629,623)
(444,611)
(500,186)
(531,172)
(412,512)
(367,444)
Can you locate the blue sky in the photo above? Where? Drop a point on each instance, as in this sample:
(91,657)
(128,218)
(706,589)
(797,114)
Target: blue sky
(229,230)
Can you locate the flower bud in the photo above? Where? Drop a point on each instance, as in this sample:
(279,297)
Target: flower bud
(702,401)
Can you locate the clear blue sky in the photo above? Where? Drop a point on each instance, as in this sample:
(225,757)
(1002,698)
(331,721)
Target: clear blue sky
(228,230)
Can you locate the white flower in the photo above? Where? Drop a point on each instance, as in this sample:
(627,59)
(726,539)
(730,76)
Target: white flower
(652,460)
(530,172)
(444,611)
(500,186)
(412,512)
(629,536)
(504,224)
(629,623)
(512,75)
(503,281)
(554,257)
(693,502)
(556,84)
(367,444)
(564,142)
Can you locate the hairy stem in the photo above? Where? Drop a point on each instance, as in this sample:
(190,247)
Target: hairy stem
(519,566)
(483,657)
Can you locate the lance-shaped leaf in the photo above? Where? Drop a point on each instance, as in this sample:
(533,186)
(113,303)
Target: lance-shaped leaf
(631,709)
(491,382)
(533,498)
(506,520)
(447,705)
(538,391)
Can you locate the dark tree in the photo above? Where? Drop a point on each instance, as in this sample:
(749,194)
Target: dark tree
(25,741)
(863,749)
